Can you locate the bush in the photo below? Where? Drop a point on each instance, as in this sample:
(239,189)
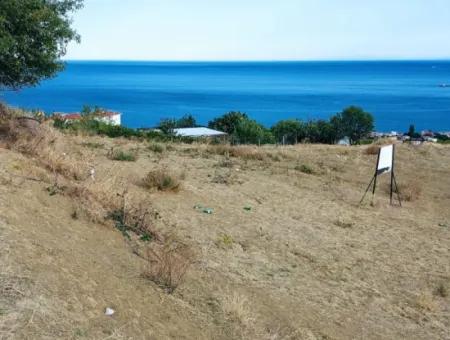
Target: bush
(248,131)
(228,123)
(161,180)
(168,264)
(155,147)
(320,131)
(187,121)
(138,220)
(121,155)
(167,126)
(289,131)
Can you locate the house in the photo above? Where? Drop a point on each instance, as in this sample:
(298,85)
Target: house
(198,132)
(108,117)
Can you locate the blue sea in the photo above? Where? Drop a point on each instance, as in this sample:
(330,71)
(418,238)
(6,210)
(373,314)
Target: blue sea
(397,93)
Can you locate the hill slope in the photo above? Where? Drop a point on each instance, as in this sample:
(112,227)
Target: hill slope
(286,253)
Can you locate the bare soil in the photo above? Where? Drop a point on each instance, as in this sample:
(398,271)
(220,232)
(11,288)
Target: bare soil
(284,254)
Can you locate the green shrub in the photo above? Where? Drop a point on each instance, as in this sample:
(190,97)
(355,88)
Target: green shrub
(290,131)
(121,155)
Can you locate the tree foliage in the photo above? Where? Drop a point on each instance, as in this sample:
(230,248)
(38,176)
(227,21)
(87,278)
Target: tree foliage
(229,122)
(33,37)
(168,125)
(321,131)
(249,131)
(412,132)
(187,121)
(354,123)
(290,131)
(242,129)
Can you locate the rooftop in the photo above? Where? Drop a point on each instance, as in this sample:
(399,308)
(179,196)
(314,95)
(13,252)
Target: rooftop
(198,132)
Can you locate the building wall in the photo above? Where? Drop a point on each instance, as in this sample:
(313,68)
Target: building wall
(113,120)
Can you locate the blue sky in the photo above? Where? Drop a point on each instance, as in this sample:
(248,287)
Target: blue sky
(262,29)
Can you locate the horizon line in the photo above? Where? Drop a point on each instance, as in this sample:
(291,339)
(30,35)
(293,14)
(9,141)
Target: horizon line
(259,60)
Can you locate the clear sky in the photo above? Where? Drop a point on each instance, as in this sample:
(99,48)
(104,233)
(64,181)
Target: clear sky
(262,29)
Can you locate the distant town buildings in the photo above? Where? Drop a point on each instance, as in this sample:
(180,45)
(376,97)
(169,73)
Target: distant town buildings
(419,138)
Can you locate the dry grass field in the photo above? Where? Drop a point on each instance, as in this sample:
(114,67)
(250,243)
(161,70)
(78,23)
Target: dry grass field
(216,242)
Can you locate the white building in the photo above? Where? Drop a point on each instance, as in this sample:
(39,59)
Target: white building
(110,117)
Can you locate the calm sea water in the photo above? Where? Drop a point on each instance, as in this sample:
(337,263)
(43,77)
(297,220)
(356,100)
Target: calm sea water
(397,93)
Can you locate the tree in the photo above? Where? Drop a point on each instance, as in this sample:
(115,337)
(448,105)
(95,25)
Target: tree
(187,121)
(89,112)
(289,131)
(167,126)
(321,131)
(249,131)
(354,123)
(33,37)
(412,132)
(229,122)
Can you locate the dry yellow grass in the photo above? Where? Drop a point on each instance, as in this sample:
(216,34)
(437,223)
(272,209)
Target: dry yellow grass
(162,180)
(168,263)
(410,191)
(305,261)
(372,150)
(236,307)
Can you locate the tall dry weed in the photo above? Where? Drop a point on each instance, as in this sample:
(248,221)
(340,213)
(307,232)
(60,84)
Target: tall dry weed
(167,264)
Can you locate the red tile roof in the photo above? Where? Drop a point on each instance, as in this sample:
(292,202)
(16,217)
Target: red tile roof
(72,116)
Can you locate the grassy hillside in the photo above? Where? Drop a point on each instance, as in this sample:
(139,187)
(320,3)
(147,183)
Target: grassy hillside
(218,242)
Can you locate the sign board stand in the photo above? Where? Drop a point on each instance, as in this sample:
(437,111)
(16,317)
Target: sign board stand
(385,164)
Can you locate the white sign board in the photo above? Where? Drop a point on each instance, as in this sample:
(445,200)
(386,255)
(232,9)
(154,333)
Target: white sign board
(385,159)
